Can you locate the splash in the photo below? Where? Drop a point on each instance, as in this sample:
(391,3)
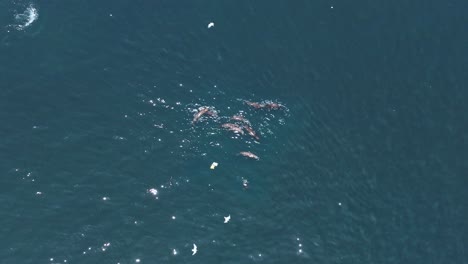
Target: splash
(26,18)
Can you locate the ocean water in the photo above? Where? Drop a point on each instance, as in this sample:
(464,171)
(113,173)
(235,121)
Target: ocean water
(365,163)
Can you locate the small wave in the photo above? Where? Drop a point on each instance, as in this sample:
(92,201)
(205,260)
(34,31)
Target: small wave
(27,17)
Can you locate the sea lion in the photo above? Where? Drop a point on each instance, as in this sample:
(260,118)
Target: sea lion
(268,105)
(255,105)
(202,111)
(272,106)
(240,119)
(251,132)
(234,128)
(249,154)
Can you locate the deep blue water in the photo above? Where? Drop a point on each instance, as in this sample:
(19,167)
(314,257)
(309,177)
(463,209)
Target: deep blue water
(366,163)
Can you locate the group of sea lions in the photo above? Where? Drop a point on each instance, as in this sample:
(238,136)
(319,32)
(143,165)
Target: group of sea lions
(240,122)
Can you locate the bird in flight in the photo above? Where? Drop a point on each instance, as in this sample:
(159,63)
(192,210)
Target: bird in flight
(227,218)
(194,249)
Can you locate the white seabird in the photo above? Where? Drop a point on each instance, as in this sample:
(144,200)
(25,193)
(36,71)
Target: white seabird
(194,249)
(227,218)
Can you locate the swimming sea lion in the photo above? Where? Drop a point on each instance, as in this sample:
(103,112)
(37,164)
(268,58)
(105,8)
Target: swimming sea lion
(240,118)
(202,111)
(272,106)
(267,105)
(249,154)
(251,132)
(234,128)
(255,105)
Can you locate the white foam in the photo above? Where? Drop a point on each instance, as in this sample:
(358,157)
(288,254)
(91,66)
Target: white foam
(27,17)
(153,191)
